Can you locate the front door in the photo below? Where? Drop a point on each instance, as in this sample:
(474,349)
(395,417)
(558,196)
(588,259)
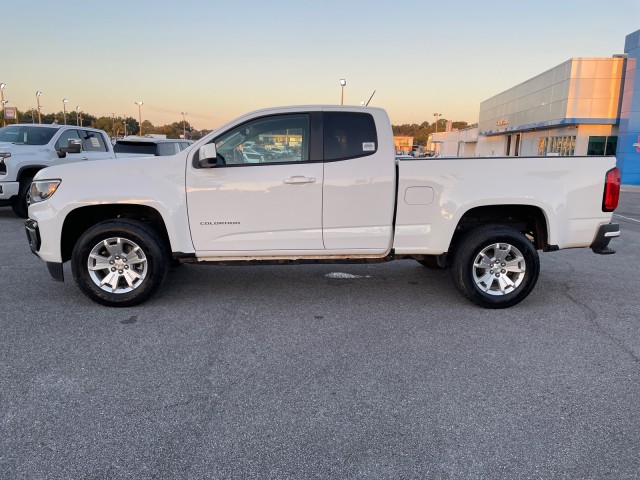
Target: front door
(263,195)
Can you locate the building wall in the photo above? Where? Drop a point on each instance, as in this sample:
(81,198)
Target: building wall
(495,145)
(458,143)
(628,153)
(580,90)
(402,142)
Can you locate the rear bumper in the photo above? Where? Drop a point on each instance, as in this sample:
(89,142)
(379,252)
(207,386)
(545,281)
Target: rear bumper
(605,233)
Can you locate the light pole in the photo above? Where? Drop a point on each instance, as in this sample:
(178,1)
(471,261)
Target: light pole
(78,115)
(64,109)
(437,115)
(113,124)
(139,117)
(38,93)
(184,125)
(343,83)
(124,117)
(2,87)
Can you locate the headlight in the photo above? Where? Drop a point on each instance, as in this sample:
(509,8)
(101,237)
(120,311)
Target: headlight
(43,189)
(4,155)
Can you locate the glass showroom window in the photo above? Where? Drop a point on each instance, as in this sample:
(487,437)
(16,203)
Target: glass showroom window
(564,146)
(601,145)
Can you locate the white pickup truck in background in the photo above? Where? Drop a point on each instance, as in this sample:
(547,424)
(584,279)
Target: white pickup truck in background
(331,192)
(27,148)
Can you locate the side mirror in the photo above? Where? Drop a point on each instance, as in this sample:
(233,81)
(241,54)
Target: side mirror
(73,146)
(207,156)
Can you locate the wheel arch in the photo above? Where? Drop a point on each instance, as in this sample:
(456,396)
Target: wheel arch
(83,218)
(530,220)
(29,171)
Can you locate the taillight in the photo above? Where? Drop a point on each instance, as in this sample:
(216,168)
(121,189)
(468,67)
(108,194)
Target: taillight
(611,190)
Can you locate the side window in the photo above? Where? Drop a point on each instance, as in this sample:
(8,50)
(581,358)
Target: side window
(276,139)
(349,135)
(93,142)
(168,148)
(67,135)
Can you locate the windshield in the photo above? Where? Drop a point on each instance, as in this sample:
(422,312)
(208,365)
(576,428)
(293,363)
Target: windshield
(26,135)
(137,148)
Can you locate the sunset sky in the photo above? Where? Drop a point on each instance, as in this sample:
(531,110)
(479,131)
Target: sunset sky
(217,60)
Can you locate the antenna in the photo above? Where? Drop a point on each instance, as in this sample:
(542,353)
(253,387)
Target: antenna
(367,104)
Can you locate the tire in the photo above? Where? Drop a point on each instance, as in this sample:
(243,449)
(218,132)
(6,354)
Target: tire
(431,262)
(474,271)
(134,258)
(20,203)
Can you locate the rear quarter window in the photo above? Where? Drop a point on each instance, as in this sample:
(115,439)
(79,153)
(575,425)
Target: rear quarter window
(93,142)
(349,135)
(135,148)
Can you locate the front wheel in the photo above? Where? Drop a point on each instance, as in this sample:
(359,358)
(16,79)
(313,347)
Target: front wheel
(495,266)
(21,202)
(120,263)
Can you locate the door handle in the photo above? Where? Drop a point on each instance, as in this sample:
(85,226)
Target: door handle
(84,158)
(298,179)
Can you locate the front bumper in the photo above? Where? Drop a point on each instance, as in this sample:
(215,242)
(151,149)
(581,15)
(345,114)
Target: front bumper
(8,190)
(33,237)
(605,233)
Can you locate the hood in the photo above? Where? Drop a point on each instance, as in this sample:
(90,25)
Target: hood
(144,168)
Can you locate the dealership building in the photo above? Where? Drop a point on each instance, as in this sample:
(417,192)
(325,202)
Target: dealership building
(584,106)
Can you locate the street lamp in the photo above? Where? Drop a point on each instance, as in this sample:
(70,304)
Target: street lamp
(437,115)
(139,117)
(2,87)
(64,109)
(78,115)
(38,93)
(343,83)
(184,125)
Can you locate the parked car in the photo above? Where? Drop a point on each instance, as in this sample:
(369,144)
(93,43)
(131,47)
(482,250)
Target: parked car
(27,148)
(342,198)
(149,146)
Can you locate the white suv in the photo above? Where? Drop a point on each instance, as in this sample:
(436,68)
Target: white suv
(149,146)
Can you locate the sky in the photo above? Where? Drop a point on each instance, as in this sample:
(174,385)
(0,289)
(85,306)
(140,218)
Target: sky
(219,59)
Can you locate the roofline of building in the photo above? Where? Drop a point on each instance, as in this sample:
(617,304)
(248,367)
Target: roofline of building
(550,124)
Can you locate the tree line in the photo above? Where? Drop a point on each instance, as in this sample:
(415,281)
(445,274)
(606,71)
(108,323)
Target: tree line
(421,132)
(114,126)
(121,126)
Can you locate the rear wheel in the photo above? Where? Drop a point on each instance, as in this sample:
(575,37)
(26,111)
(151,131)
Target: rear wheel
(21,202)
(495,266)
(120,263)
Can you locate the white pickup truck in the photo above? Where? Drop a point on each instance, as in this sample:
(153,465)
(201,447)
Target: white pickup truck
(27,148)
(333,193)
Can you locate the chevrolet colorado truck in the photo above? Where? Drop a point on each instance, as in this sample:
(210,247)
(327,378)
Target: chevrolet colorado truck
(334,193)
(27,148)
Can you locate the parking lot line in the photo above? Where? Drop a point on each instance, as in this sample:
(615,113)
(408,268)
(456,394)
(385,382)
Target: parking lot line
(626,218)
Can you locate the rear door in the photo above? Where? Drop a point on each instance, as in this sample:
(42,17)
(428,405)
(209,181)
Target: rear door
(94,146)
(359,182)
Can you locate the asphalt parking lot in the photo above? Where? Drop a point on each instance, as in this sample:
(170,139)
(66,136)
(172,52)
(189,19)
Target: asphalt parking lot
(291,372)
